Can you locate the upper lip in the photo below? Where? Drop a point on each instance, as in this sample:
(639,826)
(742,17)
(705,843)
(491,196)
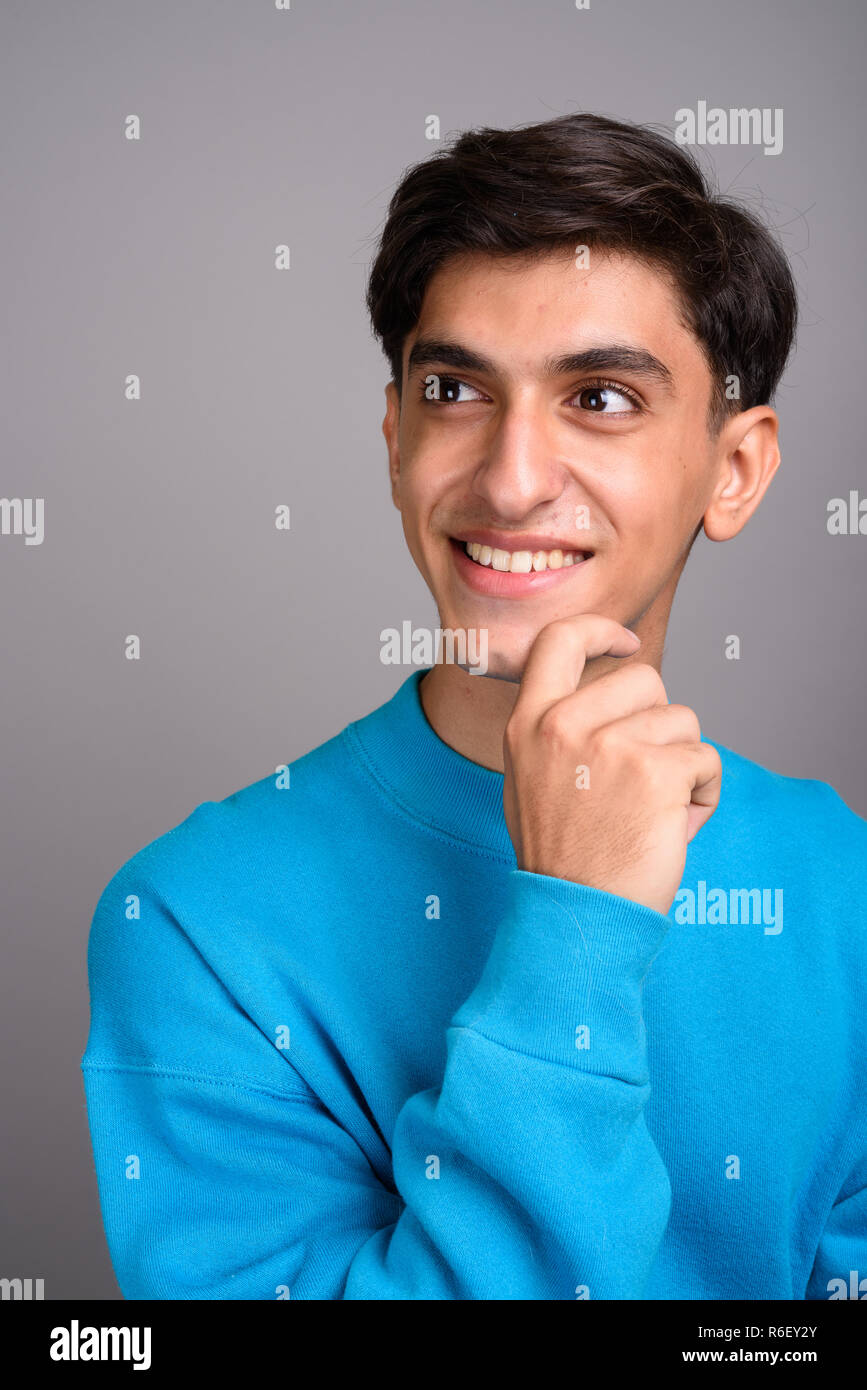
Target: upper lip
(520,540)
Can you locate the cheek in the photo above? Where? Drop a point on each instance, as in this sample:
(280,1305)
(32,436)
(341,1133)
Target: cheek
(429,485)
(654,495)
(415,483)
(419,495)
(647,528)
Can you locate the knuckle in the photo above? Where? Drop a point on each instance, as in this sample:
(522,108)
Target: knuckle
(514,732)
(555,725)
(608,741)
(648,680)
(689,717)
(557,625)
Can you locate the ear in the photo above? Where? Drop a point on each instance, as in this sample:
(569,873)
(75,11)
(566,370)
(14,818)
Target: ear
(749,456)
(390,428)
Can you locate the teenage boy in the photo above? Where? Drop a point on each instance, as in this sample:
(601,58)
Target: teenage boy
(518,987)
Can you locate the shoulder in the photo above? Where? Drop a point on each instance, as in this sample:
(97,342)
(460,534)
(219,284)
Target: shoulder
(802,814)
(190,934)
(287,815)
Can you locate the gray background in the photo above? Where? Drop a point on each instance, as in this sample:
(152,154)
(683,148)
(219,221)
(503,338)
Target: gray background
(258,387)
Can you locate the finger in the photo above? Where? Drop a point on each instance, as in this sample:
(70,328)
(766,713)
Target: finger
(560,652)
(660,724)
(704,772)
(617,697)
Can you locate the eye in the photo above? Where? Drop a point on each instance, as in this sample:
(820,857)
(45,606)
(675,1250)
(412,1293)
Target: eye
(443,390)
(607,398)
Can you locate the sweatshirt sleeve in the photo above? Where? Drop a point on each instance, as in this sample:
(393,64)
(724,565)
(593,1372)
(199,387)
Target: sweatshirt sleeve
(528,1172)
(840,1268)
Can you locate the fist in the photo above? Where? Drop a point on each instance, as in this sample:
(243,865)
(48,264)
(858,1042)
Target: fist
(604,786)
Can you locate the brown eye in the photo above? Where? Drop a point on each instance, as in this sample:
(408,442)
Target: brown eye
(445,390)
(450,388)
(605,400)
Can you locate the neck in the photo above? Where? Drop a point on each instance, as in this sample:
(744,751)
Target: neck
(470,713)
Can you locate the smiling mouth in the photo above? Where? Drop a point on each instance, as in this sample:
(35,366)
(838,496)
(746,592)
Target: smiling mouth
(521,561)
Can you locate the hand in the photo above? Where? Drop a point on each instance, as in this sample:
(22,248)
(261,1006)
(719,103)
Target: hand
(652,783)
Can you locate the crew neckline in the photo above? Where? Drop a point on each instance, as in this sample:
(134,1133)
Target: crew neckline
(428,779)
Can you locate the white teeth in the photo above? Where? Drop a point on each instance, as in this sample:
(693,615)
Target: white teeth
(522,561)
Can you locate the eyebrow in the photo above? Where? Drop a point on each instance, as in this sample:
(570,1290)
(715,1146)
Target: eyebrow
(604,357)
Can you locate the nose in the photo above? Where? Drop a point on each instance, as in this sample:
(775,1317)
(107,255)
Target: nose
(519,470)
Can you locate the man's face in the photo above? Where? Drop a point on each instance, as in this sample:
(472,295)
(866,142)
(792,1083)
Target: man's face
(607,461)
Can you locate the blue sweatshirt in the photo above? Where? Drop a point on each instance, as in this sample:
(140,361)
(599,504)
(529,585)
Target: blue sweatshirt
(341,1047)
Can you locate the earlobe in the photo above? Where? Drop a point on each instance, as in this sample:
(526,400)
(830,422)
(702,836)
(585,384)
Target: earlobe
(750,457)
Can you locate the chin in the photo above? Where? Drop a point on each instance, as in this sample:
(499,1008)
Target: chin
(506,649)
(505,665)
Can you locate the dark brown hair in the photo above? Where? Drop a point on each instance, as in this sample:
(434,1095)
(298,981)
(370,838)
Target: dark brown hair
(586,179)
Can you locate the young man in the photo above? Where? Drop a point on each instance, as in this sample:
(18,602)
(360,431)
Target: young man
(520,988)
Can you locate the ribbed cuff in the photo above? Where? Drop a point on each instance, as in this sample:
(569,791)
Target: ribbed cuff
(563,978)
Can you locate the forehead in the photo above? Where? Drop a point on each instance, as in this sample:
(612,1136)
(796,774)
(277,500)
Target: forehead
(517,310)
